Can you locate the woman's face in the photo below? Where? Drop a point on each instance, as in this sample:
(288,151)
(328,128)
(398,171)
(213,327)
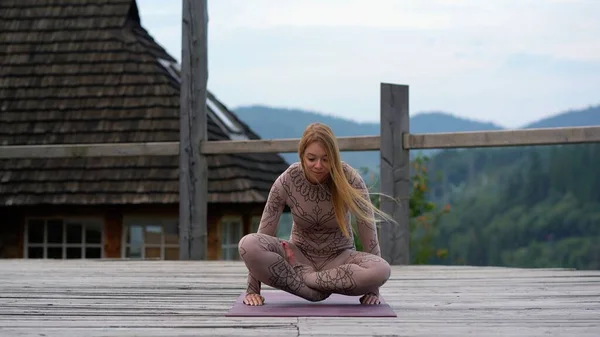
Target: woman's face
(316,162)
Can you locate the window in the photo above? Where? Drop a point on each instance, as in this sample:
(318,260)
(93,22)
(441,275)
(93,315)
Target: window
(151,238)
(231,234)
(223,116)
(225,121)
(172,68)
(63,238)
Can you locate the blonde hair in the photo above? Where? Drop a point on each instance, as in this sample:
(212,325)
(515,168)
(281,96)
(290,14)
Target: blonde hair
(344,195)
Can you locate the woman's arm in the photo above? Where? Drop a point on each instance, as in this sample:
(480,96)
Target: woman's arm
(268,223)
(367,230)
(274,206)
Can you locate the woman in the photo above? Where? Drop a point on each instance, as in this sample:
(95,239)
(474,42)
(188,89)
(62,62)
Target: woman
(320,257)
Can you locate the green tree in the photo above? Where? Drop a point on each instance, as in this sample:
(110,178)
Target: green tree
(424,215)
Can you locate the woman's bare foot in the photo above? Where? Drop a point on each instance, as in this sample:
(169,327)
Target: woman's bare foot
(302,271)
(289,253)
(300,268)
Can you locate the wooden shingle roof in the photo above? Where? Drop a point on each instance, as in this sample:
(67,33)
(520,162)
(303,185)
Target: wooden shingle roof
(77,72)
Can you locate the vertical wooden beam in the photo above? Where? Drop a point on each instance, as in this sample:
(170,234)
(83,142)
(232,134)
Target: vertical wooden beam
(192,163)
(395,173)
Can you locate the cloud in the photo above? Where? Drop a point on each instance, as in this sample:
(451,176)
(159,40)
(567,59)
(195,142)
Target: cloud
(433,14)
(562,28)
(506,61)
(555,27)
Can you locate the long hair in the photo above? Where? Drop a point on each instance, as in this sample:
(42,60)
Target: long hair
(344,195)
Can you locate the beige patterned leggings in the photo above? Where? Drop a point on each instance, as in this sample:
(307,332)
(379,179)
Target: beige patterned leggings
(350,272)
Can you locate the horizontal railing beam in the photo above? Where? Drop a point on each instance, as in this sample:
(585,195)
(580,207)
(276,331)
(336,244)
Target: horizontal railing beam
(361,143)
(522,137)
(357,143)
(501,138)
(89,150)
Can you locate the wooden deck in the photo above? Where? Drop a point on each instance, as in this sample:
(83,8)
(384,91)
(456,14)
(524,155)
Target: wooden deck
(159,298)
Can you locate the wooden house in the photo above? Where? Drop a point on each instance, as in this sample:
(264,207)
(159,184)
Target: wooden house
(77,72)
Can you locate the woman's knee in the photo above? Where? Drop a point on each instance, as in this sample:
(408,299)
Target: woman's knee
(383,270)
(247,245)
(254,243)
(379,272)
(247,240)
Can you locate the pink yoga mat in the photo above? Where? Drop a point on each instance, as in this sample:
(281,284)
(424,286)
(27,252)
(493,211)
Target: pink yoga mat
(282,304)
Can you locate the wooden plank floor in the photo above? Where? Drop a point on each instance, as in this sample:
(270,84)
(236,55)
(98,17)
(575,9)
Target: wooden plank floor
(178,298)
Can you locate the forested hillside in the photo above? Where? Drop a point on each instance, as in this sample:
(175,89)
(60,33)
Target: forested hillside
(527,207)
(518,206)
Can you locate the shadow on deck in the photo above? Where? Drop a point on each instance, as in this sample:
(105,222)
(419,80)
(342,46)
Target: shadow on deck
(182,298)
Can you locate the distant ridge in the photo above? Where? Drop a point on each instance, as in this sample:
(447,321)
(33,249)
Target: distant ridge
(273,123)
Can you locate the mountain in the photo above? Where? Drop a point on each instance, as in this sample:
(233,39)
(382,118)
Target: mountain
(290,123)
(434,122)
(536,207)
(516,206)
(274,123)
(532,206)
(584,117)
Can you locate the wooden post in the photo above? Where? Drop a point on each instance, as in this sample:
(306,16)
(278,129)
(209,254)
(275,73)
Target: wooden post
(192,163)
(395,173)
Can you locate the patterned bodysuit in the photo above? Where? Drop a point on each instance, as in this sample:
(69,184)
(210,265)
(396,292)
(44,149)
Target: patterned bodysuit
(328,262)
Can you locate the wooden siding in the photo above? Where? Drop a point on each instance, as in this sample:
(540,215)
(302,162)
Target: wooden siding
(12,224)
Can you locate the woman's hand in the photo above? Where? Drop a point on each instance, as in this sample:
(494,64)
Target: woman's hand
(254,299)
(369,299)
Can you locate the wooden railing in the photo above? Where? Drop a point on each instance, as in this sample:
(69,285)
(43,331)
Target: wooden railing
(394,143)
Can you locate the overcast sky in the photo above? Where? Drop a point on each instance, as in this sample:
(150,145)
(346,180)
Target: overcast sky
(509,62)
